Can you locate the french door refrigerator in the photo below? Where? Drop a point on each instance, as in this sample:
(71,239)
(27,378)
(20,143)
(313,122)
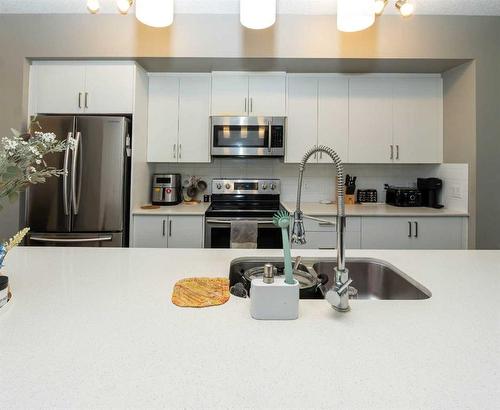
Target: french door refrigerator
(89,206)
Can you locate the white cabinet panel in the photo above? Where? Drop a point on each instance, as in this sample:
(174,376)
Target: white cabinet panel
(194,112)
(109,88)
(150,231)
(418,128)
(321,235)
(370,120)
(59,88)
(438,233)
(333,116)
(230,94)
(302,126)
(385,233)
(185,232)
(267,95)
(163,118)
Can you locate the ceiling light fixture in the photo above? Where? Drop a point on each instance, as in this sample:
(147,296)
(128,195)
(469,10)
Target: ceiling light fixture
(93,6)
(124,5)
(155,13)
(380,6)
(406,8)
(257,14)
(355,15)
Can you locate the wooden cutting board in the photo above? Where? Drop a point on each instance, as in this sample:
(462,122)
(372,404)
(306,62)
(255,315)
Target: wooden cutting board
(201,292)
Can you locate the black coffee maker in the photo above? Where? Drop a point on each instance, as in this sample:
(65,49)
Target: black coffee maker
(430,188)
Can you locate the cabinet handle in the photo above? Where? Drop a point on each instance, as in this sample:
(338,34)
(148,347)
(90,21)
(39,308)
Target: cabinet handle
(174,153)
(170,227)
(326,249)
(80,100)
(397,151)
(416,229)
(245,104)
(392,151)
(409,229)
(86,100)
(251,104)
(180,151)
(163,229)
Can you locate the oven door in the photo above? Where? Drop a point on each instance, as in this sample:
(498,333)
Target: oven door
(218,234)
(248,136)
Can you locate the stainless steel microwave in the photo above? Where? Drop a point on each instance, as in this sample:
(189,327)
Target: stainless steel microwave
(248,136)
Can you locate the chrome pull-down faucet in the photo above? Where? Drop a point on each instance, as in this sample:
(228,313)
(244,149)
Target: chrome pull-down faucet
(337,295)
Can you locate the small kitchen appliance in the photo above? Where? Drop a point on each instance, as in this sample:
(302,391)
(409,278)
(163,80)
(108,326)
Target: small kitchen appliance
(430,188)
(248,136)
(366,196)
(253,200)
(403,196)
(167,189)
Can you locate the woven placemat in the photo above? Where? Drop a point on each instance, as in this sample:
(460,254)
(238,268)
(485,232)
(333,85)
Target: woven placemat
(201,292)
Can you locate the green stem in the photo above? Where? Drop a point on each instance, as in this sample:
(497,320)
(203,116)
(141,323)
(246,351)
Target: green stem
(287,257)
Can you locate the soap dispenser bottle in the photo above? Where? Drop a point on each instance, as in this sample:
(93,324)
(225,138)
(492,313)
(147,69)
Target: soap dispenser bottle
(271,298)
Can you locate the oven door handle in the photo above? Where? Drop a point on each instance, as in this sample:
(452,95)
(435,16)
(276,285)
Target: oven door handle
(227,221)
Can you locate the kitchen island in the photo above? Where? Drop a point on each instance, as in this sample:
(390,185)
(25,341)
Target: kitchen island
(92,328)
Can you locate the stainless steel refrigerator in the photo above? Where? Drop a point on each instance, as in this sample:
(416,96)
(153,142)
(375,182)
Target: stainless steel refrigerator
(89,206)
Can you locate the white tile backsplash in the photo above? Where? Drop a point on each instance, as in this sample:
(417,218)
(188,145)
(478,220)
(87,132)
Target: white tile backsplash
(319,179)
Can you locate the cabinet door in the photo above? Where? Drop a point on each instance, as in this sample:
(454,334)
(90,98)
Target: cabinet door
(418,127)
(194,113)
(150,231)
(59,88)
(370,120)
(333,116)
(185,232)
(302,125)
(230,94)
(267,95)
(386,233)
(163,118)
(438,233)
(109,88)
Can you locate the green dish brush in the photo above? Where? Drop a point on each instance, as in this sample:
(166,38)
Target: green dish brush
(282,220)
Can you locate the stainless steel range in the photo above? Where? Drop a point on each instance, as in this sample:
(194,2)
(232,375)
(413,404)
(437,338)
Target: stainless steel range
(243,200)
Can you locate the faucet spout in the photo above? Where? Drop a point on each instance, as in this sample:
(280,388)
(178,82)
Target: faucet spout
(338,295)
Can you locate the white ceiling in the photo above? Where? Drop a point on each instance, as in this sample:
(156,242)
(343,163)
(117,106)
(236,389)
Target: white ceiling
(440,7)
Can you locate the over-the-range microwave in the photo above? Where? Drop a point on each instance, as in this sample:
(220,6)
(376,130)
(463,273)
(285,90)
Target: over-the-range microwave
(248,136)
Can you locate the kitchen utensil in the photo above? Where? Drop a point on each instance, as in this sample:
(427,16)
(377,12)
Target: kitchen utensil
(202,186)
(282,220)
(367,196)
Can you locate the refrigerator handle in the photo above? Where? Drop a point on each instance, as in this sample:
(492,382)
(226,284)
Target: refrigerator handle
(75,197)
(65,176)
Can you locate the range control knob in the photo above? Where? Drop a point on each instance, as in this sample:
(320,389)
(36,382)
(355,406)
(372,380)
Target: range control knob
(264,186)
(219,186)
(273,187)
(228,186)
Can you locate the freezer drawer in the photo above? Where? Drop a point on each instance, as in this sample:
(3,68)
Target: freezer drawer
(89,240)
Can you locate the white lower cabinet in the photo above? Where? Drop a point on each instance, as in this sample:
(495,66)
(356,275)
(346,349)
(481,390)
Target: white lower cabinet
(159,231)
(414,233)
(321,235)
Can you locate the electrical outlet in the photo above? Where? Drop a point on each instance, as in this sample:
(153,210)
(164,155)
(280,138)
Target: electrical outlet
(456,191)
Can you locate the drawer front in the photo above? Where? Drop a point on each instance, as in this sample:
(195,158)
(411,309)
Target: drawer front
(353,224)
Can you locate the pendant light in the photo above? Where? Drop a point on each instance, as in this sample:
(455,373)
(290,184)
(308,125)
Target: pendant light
(155,13)
(93,6)
(355,15)
(257,14)
(124,5)
(405,7)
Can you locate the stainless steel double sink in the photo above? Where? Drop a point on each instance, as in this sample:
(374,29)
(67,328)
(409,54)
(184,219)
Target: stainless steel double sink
(371,278)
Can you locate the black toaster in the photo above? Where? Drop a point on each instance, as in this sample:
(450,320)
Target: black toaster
(403,196)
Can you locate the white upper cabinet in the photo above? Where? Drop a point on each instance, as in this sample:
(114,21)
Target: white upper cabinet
(418,120)
(302,121)
(163,118)
(370,120)
(230,94)
(194,115)
(57,88)
(248,94)
(178,118)
(267,95)
(333,116)
(109,88)
(75,88)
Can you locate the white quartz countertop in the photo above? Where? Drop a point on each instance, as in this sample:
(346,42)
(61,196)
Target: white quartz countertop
(317,209)
(181,209)
(95,328)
